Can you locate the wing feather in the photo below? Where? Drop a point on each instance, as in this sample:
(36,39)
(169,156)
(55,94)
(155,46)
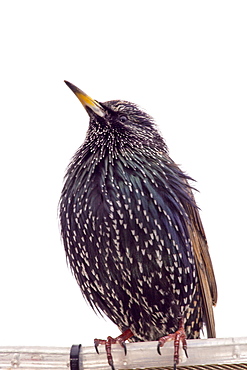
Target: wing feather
(204,267)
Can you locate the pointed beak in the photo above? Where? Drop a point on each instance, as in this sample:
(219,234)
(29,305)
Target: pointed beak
(86,101)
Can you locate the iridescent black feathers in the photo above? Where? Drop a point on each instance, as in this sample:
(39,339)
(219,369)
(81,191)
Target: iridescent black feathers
(131,228)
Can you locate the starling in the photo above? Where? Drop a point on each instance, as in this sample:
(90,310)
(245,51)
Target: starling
(132,230)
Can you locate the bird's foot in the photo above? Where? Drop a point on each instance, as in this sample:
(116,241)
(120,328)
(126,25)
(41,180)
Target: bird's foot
(178,336)
(109,341)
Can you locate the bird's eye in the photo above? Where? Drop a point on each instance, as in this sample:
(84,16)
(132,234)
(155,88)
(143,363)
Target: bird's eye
(123,119)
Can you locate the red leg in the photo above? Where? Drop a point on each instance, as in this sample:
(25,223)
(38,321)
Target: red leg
(109,341)
(178,336)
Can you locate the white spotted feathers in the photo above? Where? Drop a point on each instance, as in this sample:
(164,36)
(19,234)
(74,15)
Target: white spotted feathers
(126,226)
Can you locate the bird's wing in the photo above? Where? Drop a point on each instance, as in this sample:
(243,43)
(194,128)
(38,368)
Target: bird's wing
(204,267)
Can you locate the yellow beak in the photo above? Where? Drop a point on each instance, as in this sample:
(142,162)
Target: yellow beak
(86,100)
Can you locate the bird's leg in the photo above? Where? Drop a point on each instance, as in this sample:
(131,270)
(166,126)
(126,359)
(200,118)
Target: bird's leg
(109,341)
(178,336)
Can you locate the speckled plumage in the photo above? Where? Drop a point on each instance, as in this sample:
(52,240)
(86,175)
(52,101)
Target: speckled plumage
(132,231)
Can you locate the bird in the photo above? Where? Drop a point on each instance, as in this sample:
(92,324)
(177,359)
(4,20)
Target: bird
(132,231)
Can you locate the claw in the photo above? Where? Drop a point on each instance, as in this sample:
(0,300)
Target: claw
(109,341)
(96,345)
(158,348)
(185,351)
(124,347)
(110,362)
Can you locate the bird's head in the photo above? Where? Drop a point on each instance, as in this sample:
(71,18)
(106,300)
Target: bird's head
(120,119)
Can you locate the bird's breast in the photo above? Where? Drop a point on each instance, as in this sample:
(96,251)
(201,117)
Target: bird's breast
(123,223)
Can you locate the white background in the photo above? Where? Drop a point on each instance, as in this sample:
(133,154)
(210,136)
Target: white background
(185,62)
